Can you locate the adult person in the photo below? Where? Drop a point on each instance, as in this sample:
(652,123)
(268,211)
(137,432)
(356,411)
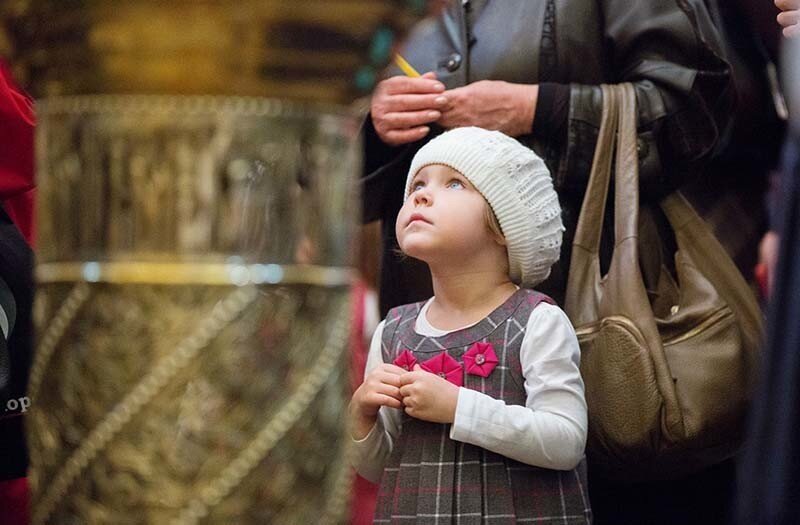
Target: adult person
(533,71)
(733,205)
(769,477)
(16,293)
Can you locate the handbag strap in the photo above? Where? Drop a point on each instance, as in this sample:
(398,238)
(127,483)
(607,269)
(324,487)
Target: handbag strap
(626,192)
(584,298)
(590,221)
(590,299)
(617,128)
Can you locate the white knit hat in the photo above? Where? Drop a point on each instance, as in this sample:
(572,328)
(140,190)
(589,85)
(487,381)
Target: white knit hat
(517,185)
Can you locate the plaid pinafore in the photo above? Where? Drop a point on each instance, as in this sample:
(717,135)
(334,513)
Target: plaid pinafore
(430,478)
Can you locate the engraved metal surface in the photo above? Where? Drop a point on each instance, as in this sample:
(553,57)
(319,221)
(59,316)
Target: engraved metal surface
(192,308)
(326,50)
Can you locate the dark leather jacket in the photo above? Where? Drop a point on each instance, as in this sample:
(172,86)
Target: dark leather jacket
(669,49)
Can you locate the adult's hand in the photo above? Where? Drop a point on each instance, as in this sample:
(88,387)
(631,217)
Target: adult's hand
(492,104)
(789,19)
(402,107)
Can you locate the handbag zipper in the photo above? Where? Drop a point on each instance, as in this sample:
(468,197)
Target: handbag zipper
(717,315)
(596,326)
(713,318)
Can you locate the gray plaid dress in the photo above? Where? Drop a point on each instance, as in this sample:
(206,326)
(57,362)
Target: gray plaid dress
(430,478)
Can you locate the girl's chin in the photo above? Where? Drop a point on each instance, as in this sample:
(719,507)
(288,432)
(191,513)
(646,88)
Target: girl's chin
(424,251)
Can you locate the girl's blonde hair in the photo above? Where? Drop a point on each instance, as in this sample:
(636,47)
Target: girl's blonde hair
(494,225)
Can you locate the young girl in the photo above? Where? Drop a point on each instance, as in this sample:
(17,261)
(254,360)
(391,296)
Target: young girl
(472,407)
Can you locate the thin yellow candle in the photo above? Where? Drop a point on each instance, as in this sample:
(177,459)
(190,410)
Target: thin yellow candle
(405,66)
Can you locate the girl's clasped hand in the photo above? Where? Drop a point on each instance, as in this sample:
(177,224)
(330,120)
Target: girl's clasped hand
(419,393)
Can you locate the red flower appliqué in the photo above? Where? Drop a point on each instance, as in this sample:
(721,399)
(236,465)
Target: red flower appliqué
(406,360)
(480,359)
(445,366)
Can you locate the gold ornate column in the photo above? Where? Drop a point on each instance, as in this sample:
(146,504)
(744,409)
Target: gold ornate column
(196,166)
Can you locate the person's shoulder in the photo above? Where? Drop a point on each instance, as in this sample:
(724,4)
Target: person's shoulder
(403,311)
(536,298)
(542,309)
(551,312)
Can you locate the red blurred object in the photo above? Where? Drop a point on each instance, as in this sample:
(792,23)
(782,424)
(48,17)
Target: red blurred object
(364,493)
(17,191)
(761,273)
(17,184)
(14,501)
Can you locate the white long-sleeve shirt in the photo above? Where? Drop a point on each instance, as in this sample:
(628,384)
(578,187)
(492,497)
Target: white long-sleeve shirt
(549,431)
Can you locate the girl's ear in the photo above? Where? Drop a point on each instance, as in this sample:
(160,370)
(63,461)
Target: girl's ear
(493,225)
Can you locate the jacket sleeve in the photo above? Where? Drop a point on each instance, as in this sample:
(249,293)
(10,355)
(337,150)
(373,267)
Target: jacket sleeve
(671,52)
(383,165)
(370,454)
(385,170)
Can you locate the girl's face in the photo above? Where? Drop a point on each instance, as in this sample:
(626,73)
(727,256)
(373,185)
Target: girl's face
(443,218)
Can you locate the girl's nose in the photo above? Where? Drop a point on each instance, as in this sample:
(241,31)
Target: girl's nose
(422,197)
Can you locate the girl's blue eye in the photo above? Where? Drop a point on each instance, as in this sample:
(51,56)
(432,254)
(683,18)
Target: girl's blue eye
(416,186)
(455,184)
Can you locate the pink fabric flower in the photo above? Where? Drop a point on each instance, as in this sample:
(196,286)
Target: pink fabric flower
(406,360)
(480,359)
(445,366)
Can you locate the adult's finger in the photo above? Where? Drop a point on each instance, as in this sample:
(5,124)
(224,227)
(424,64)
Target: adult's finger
(456,97)
(788,18)
(414,102)
(397,137)
(406,85)
(792,31)
(787,4)
(410,119)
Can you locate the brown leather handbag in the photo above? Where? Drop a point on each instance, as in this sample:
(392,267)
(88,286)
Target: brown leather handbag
(668,367)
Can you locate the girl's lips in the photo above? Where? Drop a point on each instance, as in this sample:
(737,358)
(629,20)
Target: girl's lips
(418,217)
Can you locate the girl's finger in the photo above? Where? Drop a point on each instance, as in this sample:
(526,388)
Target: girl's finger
(393,369)
(387,401)
(389,390)
(389,378)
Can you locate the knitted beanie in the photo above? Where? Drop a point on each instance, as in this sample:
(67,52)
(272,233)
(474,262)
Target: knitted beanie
(517,186)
